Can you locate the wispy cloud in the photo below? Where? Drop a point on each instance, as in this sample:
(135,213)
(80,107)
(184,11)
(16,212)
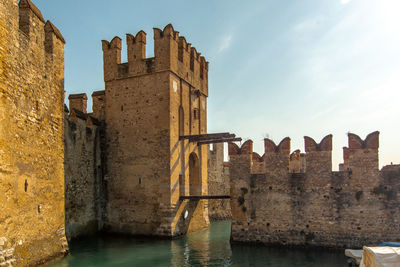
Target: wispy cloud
(225,43)
(343,2)
(324,113)
(309,25)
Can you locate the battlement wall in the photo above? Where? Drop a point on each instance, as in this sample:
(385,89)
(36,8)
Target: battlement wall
(31,134)
(41,40)
(78,103)
(359,156)
(84,168)
(315,207)
(171,53)
(99,102)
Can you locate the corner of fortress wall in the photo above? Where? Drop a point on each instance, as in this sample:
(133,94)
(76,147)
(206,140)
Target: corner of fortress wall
(315,206)
(31,135)
(85,187)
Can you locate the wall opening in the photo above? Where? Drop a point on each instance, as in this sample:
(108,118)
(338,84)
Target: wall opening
(181,121)
(194,175)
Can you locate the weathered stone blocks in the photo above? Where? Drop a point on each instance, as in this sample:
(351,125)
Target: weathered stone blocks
(314,207)
(6,253)
(31,134)
(84,165)
(218,183)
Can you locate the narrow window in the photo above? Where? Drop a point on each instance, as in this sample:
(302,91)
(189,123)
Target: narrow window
(196,114)
(181,122)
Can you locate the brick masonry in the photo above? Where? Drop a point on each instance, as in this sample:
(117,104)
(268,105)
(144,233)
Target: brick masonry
(31,135)
(317,207)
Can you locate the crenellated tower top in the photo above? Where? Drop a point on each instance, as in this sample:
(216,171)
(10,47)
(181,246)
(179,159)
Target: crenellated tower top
(171,53)
(31,22)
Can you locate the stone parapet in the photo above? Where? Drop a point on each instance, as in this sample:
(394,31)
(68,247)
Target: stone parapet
(315,207)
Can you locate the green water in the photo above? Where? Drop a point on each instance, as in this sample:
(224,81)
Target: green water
(204,248)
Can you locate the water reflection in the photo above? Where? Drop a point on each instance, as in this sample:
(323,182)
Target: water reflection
(203,248)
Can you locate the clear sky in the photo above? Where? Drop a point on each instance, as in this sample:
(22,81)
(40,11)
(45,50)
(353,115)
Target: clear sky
(277,68)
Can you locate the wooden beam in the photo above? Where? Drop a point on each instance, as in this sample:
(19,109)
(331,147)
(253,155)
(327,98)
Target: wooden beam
(222,140)
(203,197)
(208,138)
(203,135)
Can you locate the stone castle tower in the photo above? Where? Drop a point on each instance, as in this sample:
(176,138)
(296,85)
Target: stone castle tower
(138,164)
(150,105)
(31,136)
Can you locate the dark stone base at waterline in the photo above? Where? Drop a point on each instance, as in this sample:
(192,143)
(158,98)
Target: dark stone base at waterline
(277,245)
(306,239)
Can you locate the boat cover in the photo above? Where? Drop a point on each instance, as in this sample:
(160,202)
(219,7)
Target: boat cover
(389,244)
(381,257)
(355,254)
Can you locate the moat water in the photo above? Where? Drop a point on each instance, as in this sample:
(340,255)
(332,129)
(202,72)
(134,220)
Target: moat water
(209,247)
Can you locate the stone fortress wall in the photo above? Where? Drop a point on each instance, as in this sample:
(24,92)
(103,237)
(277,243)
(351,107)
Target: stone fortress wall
(218,183)
(276,202)
(31,136)
(85,187)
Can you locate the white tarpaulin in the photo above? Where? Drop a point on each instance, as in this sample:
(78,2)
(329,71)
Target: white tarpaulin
(381,257)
